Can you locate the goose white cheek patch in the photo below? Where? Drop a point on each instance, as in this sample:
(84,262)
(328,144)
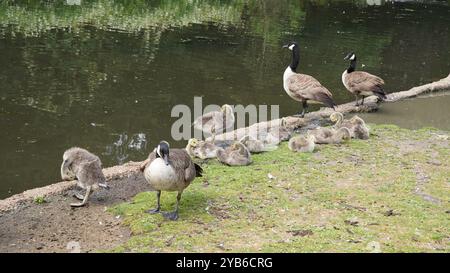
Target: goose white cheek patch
(352,57)
(158,151)
(291,47)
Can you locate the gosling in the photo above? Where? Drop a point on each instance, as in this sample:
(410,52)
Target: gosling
(356,125)
(257,146)
(302,144)
(86,167)
(330,136)
(235,155)
(360,130)
(201,149)
(216,121)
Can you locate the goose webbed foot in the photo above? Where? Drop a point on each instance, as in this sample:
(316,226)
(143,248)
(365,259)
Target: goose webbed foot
(173,216)
(77,205)
(153,211)
(84,198)
(78,196)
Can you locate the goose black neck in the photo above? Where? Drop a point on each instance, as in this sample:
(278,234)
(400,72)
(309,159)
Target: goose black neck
(295,58)
(352,66)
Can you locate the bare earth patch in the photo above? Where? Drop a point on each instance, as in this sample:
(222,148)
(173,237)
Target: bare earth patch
(54,226)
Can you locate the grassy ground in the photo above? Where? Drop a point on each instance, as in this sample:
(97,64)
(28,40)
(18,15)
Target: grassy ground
(390,194)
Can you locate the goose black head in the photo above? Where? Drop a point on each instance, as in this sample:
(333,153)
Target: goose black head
(291,46)
(350,56)
(162,151)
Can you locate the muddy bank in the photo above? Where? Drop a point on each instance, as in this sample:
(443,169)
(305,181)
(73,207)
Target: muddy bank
(54,226)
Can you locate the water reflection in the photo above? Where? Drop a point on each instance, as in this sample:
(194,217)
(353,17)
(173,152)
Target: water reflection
(123,146)
(104,75)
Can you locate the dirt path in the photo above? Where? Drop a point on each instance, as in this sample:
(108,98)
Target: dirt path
(56,227)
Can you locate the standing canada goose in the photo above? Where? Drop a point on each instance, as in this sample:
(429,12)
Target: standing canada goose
(257,146)
(216,121)
(235,155)
(302,87)
(330,136)
(302,144)
(356,125)
(86,167)
(170,170)
(201,149)
(361,83)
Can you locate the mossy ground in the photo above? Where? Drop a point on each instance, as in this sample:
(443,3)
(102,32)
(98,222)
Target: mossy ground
(358,196)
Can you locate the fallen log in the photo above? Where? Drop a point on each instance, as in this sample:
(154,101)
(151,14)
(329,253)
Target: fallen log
(371,104)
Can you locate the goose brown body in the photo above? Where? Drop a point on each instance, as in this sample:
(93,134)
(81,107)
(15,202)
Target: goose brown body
(178,175)
(302,87)
(169,170)
(361,83)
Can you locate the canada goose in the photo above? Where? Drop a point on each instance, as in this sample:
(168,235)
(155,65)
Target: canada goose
(86,167)
(356,125)
(201,149)
(330,136)
(302,87)
(302,144)
(257,146)
(216,121)
(235,155)
(361,83)
(170,170)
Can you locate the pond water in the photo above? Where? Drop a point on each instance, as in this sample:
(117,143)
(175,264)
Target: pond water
(105,75)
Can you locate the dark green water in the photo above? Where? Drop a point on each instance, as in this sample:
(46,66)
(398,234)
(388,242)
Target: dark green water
(105,75)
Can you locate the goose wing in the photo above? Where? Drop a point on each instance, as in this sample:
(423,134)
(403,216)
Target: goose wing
(307,87)
(183,165)
(363,81)
(149,159)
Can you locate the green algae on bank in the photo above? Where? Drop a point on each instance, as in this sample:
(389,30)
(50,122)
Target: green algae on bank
(360,196)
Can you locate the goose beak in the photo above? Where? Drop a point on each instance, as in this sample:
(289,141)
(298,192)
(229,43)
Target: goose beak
(166,159)
(285,46)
